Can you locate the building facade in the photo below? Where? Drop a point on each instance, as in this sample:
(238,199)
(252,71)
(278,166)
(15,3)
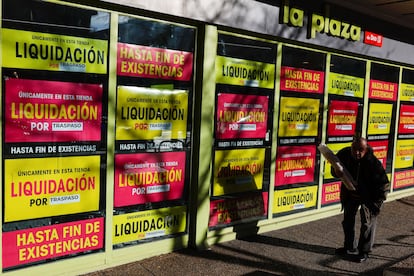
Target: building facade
(134,128)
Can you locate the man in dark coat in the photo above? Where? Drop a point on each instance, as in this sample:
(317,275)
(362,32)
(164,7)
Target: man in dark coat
(372,185)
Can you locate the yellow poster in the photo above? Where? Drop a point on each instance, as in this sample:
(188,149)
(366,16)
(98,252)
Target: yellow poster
(404,154)
(242,72)
(147,114)
(407,92)
(295,199)
(46,187)
(379,118)
(148,224)
(298,117)
(345,85)
(238,170)
(44,51)
(335,148)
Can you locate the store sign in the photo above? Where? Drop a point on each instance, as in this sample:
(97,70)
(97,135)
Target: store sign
(373,39)
(320,24)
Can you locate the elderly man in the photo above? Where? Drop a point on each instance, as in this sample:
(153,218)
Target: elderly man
(372,185)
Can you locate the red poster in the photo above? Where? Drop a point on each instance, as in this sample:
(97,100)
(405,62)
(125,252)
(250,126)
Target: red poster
(241,116)
(383,90)
(403,179)
(406,124)
(36,244)
(331,192)
(342,118)
(225,211)
(295,164)
(301,80)
(52,111)
(148,177)
(380,149)
(151,62)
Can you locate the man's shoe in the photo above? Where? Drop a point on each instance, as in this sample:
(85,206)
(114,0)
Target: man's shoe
(361,257)
(344,251)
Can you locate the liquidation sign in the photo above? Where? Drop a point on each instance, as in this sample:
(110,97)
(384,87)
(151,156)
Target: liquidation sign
(235,71)
(230,210)
(150,62)
(295,164)
(148,177)
(302,80)
(52,111)
(331,192)
(383,90)
(44,51)
(403,179)
(50,186)
(238,171)
(295,199)
(335,148)
(404,154)
(406,123)
(48,242)
(241,116)
(148,224)
(342,118)
(380,149)
(298,117)
(379,118)
(407,92)
(345,85)
(147,114)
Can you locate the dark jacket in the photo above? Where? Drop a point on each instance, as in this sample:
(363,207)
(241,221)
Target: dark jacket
(370,176)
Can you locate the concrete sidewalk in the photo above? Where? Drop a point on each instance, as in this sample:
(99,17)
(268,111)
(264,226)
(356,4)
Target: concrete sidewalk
(306,249)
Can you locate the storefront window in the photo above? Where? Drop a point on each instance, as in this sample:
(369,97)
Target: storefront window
(346,88)
(153,129)
(302,81)
(245,76)
(404,153)
(54,101)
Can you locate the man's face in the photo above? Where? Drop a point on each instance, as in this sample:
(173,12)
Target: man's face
(359,149)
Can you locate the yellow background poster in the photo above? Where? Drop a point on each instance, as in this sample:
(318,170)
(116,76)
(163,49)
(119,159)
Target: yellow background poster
(44,51)
(345,85)
(407,92)
(148,224)
(294,199)
(238,170)
(379,118)
(334,148)
(51,186)
(298,117)
(404,154)
(147,113)
(244,72)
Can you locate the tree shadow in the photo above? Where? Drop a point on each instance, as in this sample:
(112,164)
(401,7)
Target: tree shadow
(261,265)
(252,257)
